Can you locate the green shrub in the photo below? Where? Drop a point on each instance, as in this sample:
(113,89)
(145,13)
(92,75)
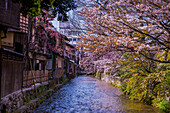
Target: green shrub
(145,80)
(165,106)
(99,75)
(114,84)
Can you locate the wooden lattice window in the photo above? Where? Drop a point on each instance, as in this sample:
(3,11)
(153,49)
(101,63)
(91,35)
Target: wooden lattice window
(23,23)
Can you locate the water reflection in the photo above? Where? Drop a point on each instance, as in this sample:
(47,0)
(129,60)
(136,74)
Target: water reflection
(88,95)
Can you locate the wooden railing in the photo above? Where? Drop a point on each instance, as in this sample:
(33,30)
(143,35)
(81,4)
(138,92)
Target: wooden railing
(39,76)
(58,73)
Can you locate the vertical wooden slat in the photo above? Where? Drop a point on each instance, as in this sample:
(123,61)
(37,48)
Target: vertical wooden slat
(41,76)
(11,76)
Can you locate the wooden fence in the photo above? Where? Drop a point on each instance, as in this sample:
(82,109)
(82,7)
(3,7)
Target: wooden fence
(39,76)
(11,76)
(58,73)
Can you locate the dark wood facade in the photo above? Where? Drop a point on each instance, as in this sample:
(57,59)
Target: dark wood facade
(38,73)
(18,71)
(11,71)
(9,14)
(11,48)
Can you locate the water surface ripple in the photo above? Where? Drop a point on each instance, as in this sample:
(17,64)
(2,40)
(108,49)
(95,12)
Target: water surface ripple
(85,94)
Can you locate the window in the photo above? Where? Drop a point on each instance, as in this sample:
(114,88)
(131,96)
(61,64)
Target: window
(37,66)
(60,63)
(78,39)
(74,33)
(18,47)
(70,39)
(23,23)
(69,32)
(79,32)
(42,64)
(74,39)
(6,4)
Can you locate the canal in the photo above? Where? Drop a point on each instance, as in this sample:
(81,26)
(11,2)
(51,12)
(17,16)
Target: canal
(85,94)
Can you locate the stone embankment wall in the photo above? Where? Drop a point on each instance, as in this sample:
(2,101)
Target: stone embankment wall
(25,100)
(111,79)
(108,78)
(11,102)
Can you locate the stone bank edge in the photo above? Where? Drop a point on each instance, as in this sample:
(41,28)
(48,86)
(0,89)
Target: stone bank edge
(25,100)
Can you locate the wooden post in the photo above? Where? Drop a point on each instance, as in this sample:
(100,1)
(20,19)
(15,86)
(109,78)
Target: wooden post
(33,78)
(0,42)
(0,66)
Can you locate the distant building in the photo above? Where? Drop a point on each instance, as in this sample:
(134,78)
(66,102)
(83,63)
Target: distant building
(68,29)
(75,26)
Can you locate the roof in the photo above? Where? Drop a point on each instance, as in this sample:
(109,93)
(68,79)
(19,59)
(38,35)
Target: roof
(11,51)
(62,36)
(9,26)
(65,37)
(70,45)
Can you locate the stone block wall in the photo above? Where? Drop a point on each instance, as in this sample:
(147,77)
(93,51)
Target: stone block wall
(108,78)
(111,79)
(11,102)
(25,100)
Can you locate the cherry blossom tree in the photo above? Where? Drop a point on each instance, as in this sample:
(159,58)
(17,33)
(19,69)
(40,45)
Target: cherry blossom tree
(94,62)
(140,26)
(44,34)
(140,30)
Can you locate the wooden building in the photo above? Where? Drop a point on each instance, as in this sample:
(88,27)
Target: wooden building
(73,60)
(11,47)
(36,70)
(16,70)
(59,65)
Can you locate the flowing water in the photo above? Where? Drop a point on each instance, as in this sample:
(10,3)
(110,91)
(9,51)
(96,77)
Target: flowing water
(85,94)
